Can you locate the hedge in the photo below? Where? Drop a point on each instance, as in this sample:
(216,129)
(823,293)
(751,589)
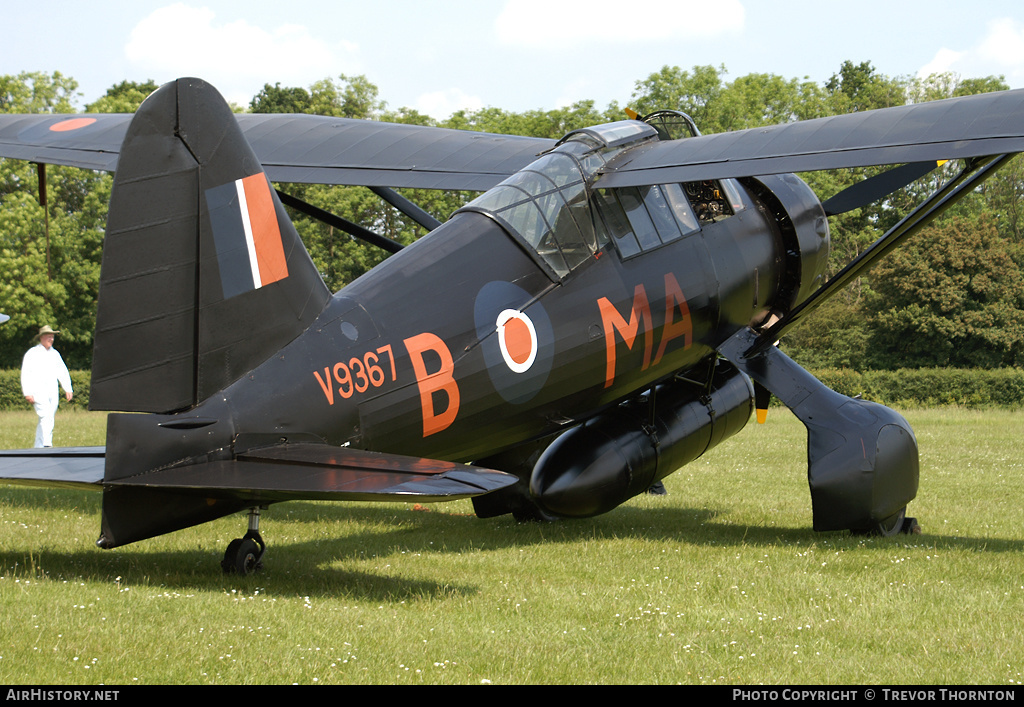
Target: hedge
(908,387)
(931,387)
(11,397)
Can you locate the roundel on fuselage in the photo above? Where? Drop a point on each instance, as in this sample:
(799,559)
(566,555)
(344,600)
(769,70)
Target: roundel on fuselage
(517,340)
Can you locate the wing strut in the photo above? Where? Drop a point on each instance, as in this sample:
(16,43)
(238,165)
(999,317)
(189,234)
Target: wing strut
(973,174)
(41,175)
(877,187)
(338,222)
(407,207)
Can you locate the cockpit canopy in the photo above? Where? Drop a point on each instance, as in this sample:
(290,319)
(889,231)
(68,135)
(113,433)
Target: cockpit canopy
(556,209)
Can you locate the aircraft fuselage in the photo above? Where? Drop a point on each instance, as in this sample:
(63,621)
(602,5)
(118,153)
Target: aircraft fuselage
(404,360)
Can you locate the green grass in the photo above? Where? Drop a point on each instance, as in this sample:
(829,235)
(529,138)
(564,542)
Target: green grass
(722,581)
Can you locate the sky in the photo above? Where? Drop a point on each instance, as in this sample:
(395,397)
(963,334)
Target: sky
(441,56)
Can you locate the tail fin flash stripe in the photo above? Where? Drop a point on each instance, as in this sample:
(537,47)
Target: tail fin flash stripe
(264,229)
(250,244)
(246,234)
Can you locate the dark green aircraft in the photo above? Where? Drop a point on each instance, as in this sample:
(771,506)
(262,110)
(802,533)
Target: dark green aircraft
(603,313)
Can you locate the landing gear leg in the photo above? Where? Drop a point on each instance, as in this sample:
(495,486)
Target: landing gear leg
(244,555)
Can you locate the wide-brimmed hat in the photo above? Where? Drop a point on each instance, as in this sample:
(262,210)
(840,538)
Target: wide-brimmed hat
(46,330)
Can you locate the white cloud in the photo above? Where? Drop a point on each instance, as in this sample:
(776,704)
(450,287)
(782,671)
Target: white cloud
(234,55)
(556,24)
(441,104)
(945,60)
(1000,52)
(1004,44)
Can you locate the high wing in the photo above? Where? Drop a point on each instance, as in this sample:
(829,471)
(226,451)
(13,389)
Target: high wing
(307,149)
(955,128)
(87,141)
(320,149)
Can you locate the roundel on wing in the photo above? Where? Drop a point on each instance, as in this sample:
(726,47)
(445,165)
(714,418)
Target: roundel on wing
(68,129)
(65,126)
(517,340)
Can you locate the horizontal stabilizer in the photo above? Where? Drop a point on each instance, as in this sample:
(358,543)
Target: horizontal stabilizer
(319,471)
(150,503)
(55,467)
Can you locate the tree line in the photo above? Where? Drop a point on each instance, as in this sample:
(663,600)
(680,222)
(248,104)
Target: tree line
(952,297)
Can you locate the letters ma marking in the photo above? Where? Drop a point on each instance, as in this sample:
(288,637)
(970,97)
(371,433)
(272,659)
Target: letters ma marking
(678,323)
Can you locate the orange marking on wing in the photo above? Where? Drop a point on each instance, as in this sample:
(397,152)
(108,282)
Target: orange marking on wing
(72,124)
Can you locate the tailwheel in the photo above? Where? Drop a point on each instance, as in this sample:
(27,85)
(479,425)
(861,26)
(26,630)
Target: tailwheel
(244,555)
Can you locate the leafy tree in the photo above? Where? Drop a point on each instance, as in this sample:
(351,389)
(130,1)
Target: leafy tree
(552,124)
(756,100)
(860,87)
(125,97)
(274,99)
(695,93)
(1003,196)
(58,283)
(875,322)
(36,92)
(49,255)
(407,116)
(949,85)
(353,97)
(953,296)
(834,336)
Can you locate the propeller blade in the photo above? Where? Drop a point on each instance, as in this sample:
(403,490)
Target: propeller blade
(762,398)
(874,188)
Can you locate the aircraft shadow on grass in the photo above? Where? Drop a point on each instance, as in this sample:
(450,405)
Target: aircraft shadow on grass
(307,566)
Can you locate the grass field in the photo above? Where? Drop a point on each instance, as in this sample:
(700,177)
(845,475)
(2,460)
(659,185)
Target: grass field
(721,581)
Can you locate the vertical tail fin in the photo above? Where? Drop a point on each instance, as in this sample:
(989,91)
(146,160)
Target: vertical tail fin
(203,274)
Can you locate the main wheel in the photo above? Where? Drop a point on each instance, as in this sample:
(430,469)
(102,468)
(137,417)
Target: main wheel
(247,557)
(242,557)
(228,563)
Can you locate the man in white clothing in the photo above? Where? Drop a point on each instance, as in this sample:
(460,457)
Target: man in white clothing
(41,370)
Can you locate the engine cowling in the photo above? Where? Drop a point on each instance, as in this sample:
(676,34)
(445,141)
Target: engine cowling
(593,468)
